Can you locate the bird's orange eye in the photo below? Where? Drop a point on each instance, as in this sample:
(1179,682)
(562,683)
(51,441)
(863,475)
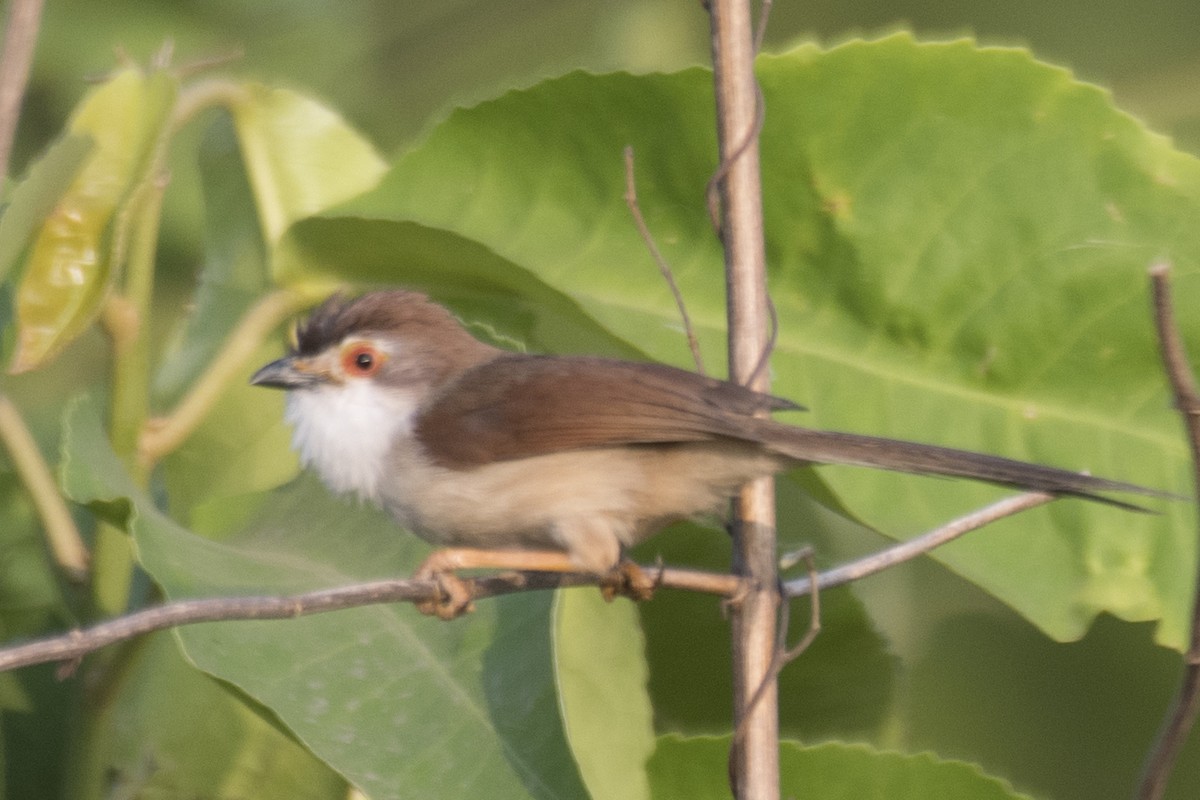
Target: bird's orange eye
(362,360)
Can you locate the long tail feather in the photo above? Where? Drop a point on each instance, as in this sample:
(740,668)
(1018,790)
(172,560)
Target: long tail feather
(833,447)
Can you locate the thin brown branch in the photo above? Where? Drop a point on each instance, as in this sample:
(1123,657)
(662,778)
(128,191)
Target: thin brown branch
(920,545)
(760,29)
(755,758)
(759,373)
(1181,714)
(785,654)
(75,644)
(20,41)
(712,191)
(664,267)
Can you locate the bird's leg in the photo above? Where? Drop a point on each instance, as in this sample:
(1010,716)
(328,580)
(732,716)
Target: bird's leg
(626,578)
(455,593)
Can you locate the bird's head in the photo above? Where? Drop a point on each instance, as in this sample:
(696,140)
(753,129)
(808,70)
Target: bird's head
(357,374)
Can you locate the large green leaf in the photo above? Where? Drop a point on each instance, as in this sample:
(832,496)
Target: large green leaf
(957,240)
(696,768)
(301,156)
(164,708)
(402,705)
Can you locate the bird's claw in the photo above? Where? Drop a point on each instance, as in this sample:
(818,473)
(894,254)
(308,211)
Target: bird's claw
(627,579)
(453,597)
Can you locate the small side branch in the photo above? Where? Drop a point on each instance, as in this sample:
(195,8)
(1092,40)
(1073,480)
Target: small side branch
(639,220)
(918,546)
(1181,715)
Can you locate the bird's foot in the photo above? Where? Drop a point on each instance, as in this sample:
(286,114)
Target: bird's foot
(627,579)
(454,596)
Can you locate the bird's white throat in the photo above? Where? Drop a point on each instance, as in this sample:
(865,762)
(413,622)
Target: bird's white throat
(344,432)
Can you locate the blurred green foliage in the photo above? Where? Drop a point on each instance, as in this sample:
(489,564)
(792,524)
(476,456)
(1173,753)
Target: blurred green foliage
(511,212)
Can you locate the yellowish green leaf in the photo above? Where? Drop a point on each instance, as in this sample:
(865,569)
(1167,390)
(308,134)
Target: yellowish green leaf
(76,253)
(302,157)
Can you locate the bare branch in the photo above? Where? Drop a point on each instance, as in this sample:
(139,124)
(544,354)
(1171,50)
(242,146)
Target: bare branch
(755,758)
(639,220)
(1181,715)
(75,644)
(78,643)
(786,654)
(712,190)
(920,545)
(760,29)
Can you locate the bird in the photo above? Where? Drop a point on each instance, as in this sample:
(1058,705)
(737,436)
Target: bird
(512,460)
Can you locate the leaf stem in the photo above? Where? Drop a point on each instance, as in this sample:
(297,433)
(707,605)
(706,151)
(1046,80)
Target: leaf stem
(66,545)
(203,95)
(126,316)
(162,435)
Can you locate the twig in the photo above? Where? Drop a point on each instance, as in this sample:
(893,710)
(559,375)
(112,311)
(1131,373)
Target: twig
(759,373)
(920,545)
(1181,714)
(712,192)
(784,654)
(639,220)
(712,188)
(75,644)
(78,643)
(760,29)
(20,41)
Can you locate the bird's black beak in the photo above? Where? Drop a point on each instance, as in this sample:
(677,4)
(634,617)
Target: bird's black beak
(286,373)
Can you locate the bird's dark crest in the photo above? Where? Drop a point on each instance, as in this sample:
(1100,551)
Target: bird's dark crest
(374,313)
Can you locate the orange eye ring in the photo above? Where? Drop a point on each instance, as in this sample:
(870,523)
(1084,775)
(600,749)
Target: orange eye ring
(362,360)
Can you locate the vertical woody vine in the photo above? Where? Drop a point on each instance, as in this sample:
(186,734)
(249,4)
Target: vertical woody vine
(754,761)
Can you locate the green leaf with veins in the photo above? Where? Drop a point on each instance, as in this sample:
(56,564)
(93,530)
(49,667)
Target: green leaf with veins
(957,240)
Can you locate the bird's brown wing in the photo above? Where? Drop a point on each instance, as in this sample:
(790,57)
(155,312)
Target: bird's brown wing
(519,406)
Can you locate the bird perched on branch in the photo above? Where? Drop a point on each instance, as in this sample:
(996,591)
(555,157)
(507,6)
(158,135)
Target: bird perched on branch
(558,463)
